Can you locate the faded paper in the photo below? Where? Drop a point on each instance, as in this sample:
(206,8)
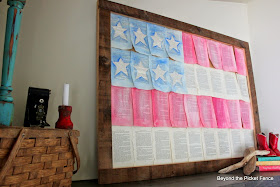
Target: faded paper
(177,110)
(160,109)
(210,144)
(174,44)
(191,82)
(240,61)
(189,51)
(203,80)
(249,138)
(221,111)
(243,86)
(234,114)
(142,108)
(177,77)
(162,147)
(195,144)
(200,45)
(192,111)
(246,115)
(237,143)
(228,58)
(143,146)
(122,147)
(224,149)
(179,145)
(232,89)
(121,106)
(217,83)
(215,53)
(120,35)
(207,113)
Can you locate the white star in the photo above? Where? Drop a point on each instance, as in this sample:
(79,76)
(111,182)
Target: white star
(159,73)
(173,44)
(141,71)
(157,40)
(176,78)
(139,36)
(119,31)
(121,67)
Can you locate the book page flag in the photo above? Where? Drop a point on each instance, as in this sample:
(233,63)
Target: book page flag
(159,68)
(237,143)
(192,111)
(139,38)
(240,61)
(203,80)
(162,145)
(142,107)
(179,145)
(232,89)
(140,72)
(200,45)
(243,86)
(215,53)
(207,113)
(121,106)
(189,51)
(210,143)
(160,109)
(120,68)
(191,82)
(174,45)
(177,77)
(195,144)
(224,149)
(177,110)
(221,111)
(228,58)
(217,83)
(120,34)
(249,138)
(122,147)
(246,115)
(234,114)
(143,146)
(156,39)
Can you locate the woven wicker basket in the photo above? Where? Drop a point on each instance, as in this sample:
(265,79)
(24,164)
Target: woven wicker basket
(37,157)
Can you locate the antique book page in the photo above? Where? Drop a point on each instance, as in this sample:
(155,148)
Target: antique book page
(210,143)
(224,145)
(179,145)
(162,145)
(195,144)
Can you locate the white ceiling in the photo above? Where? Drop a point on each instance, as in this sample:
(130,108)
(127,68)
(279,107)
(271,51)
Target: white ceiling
(234,1)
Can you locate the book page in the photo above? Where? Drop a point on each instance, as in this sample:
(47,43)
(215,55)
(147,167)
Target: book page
(122,147)
(232,89)
(246,115)
(228,58)
(177,110)
(203,80)
(249,138)
(200,45)
(188,46)
(206,111)
(160,109)
(121,106)
(143,146)
(237,143)
(195,144)
(224,149)
(215,53)
(192,111)
(243,86)
(240,61)
(162,147)
(190,79)
(234,114)
(174,44)
(142,108)
(210,143)
(179,145)
(177,77)
(221,112)
(218,83)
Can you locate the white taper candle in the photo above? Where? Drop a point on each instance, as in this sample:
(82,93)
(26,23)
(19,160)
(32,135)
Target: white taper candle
(66,95)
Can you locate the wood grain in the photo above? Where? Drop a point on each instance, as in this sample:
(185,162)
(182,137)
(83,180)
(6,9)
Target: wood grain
(106,173)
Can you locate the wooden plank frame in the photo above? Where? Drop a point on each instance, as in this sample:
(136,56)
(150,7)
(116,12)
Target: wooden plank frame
(106,173)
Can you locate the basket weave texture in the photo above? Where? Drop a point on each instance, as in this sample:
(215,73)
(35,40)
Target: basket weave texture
(37,157)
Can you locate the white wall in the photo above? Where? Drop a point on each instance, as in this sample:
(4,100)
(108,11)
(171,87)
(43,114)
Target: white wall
(57,45)
(264,39)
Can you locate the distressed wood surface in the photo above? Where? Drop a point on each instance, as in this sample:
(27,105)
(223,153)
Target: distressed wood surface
(106,173)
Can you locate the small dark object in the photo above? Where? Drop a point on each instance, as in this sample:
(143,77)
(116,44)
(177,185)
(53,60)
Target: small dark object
(36,107)
(64,120)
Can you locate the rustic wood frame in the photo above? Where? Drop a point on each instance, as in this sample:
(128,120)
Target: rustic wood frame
(106,173)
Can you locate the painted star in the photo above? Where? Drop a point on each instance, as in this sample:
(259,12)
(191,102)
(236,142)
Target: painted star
(157,40)
(176,78)
(121,67)
(173,44)
(119,31)
(141,71)
(139,36)
(159,73)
